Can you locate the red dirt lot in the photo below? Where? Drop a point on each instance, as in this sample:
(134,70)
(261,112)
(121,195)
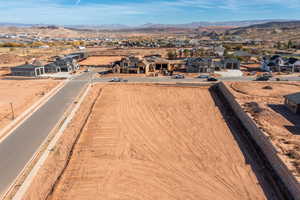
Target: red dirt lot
(100,60)
(23,94)
(156,142)
(265,103)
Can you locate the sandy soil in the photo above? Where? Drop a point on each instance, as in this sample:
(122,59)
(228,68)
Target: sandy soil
(266,106)
(22,93)
(156,142)
(100,60)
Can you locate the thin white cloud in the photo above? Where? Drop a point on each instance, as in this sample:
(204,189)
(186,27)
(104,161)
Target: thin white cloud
(54,11)
(187,3)
(77,2)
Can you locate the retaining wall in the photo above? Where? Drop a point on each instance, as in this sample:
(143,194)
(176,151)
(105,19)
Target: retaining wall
(263,142)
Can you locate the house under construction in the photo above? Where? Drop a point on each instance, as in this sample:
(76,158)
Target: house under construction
(36,68)
(27,70)
(66,64)
(210,65)
(200,65)
(151,66)
(131,65)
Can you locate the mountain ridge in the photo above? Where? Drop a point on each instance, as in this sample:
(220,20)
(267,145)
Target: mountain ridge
(192,25)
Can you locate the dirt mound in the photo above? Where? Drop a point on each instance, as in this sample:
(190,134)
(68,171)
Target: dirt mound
(253,108)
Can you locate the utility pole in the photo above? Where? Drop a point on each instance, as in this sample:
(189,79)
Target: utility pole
(91,77)
(12,111)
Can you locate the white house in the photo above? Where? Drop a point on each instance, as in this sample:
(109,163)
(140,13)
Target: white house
(219,50)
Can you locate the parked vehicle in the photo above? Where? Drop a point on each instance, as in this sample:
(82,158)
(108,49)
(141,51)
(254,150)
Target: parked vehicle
(262,78)
(203,76)
(117,80)
(267,75)
(104,72)
(253,73)
(178,76)
(211,79)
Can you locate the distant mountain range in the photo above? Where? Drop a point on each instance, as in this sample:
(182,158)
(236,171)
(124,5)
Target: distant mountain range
(192,25)
(16,24)
(277,24)
(205,24)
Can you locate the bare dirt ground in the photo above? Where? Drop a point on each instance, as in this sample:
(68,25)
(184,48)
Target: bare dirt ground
(100,60)
(156,142)
(265,103)
(9,58)
(22,93)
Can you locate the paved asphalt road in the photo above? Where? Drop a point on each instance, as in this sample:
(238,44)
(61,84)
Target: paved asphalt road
(19,147)
(192,80)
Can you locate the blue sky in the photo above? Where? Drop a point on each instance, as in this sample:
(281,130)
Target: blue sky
(136,12)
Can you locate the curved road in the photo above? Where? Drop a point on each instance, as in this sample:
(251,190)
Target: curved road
(19,147)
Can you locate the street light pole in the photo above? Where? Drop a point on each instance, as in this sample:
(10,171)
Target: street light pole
(91,77)
(12,111)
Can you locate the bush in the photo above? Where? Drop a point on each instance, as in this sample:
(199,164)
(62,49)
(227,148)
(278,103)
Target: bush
(267,87)
(12,44)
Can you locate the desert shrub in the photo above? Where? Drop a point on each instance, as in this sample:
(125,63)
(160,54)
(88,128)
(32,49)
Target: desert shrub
(268,87)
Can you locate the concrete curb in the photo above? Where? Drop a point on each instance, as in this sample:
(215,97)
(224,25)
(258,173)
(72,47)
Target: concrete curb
(63,123)
(264,143)
(5,132)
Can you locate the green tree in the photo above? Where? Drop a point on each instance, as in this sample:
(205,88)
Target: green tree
(226,54)
(171,55)
(278,45)
(290,44)
(186,53)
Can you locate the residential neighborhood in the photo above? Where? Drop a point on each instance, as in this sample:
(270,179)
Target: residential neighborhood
(150,100)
